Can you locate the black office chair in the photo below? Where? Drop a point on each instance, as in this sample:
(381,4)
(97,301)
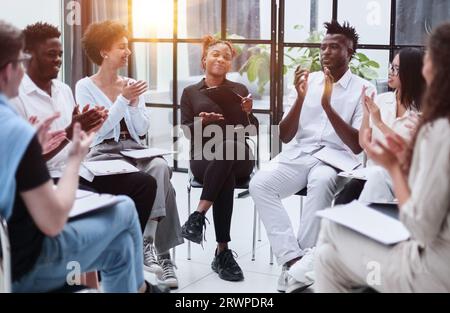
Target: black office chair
(241,184)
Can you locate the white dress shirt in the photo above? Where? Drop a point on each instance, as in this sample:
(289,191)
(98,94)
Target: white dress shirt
(315,129)
(33,101)
(136,118)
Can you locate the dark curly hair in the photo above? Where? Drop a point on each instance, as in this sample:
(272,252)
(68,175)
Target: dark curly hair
(209,41)
(38,33)
(346,30)
(101,36)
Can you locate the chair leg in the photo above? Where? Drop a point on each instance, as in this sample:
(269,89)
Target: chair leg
(271,256)
(189,214)
(254,234)
(174,251)
(259,228)
(301,207)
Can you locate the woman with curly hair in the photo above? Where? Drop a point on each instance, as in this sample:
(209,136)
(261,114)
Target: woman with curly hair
(106,45)
(422,186)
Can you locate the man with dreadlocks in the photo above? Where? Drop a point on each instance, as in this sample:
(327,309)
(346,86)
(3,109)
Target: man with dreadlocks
(326,114)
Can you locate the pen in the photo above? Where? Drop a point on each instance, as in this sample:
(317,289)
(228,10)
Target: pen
(248,114)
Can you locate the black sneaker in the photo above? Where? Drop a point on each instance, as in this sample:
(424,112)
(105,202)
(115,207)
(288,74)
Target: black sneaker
(193,229)
(225,265)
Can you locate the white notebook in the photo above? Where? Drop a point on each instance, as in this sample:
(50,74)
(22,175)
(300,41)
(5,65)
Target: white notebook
(338,159)
(86,202)
(146,153)
(104,168)
(367,221)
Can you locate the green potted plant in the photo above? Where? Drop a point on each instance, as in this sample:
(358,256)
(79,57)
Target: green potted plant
(257,66)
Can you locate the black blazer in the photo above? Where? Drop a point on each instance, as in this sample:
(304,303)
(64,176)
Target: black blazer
(194,102)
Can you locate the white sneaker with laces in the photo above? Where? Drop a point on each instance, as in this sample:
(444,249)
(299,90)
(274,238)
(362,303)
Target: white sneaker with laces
(297,279)
(151,263)
(168,276)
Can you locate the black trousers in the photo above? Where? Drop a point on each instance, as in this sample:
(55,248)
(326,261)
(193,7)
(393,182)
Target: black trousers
(140,187)
(219,178)
(352,190)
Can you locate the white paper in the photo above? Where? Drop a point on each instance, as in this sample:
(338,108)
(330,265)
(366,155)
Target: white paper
(109,167)
(146,153)
(368,222)
(85,173)
(359,173)
(338,159)
(83,194)
(89,201)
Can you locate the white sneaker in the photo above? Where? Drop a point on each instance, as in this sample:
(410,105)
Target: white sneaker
(297,273)
(151,263)
(168,276)
(311,275)
(294,286)
(283,279)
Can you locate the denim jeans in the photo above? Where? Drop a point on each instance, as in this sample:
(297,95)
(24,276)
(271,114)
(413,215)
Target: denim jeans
(109,241)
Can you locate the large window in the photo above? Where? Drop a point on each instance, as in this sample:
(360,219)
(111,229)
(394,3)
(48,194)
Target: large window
(24,12)
(166,43)
(21,13)
(167,35)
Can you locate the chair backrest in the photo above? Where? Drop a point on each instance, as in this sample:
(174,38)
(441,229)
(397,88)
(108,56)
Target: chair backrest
(5,258)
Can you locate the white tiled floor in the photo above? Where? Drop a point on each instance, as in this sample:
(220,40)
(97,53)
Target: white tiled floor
(196,276)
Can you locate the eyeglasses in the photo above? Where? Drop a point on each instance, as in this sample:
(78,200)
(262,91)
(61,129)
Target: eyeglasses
(24,61)
(394,69)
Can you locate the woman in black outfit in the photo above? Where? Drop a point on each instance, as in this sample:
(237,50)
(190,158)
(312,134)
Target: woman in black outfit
(217,171)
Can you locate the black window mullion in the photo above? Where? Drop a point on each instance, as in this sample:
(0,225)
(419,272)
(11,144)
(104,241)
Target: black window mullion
(393,25)
(130,30)
(175,80)
(335,10)
(223,22)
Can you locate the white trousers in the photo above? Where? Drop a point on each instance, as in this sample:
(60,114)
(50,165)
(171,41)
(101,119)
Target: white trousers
(282,178)
(378,187)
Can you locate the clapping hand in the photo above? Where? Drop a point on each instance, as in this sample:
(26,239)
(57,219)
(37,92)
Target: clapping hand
(327,89)
(208,118)
(80,142)
(371,108)
(378,152)
(301,82)
(49,140)
(91,120)
(132,91)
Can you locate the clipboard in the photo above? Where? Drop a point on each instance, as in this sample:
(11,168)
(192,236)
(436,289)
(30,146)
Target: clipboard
(87,202)
(109,167)
(230,103)
(368,221)
(146,153)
